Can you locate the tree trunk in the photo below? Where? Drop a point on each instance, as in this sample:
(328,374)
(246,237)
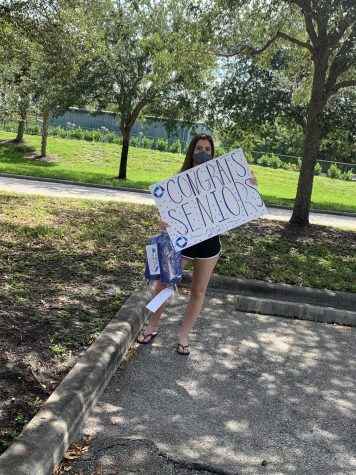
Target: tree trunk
(46,117)
(312,138)
(20,130)
(24,105)
(124,153)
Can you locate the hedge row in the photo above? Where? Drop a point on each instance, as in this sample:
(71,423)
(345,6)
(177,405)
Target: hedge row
(274,161)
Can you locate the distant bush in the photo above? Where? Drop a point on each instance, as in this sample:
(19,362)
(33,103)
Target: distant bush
(54,131)
(317,169)
(97,135)
(347,175)
(175,147)
(110,137)
(134,141)
(162,145)
(147,143)
(88,136)
(63,133)
(299,164)
(334,171)
(33,129)
(77,133)
(10,127)
(272,161)
(292,167)
(276,162)
(284,165)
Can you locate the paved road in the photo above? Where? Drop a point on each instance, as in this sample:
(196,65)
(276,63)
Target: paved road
(257,395)
(74,191)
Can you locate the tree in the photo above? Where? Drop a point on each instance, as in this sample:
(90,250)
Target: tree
(152,55)
(246,96)
(256,106)
(52,45)
(322,36)
(19,76)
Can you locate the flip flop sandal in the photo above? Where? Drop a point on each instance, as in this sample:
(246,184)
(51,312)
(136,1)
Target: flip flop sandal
(185,353)
(143,342)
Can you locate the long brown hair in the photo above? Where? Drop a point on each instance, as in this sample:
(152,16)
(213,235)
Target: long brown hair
(188,161)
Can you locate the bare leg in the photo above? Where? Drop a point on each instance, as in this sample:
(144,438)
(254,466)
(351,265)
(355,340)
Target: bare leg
(203,268)
(153,323)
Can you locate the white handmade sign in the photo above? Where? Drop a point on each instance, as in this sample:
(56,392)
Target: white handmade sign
(208,199)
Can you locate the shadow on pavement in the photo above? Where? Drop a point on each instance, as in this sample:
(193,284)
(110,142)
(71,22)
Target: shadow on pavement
(258,394)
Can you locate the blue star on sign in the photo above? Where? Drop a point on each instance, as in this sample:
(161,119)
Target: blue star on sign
(158,192)
(181,242)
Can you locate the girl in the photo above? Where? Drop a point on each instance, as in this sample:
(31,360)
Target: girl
(204,255)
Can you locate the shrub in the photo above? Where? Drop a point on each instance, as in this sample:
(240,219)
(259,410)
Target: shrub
(175,147)
(63,133)
(97,135)
(161,145)
(33,129)
(263,161)
(134,141)
(299,164)
(10,127)
(77,133)
(334,171)
(292,166)
(88,136)
(317,169)
(54,131)
(147,143)
(347,175)
(276,162)
(118,139)
(110,137)
(219,151)
(272,161)
(284,165)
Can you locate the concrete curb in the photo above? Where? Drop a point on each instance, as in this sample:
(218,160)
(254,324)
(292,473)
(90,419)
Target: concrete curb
(147,192)
(41,445)
(286,300)
(300,311)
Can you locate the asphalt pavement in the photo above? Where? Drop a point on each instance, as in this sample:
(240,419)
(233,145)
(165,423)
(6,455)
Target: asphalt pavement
(71,190)
(257,395)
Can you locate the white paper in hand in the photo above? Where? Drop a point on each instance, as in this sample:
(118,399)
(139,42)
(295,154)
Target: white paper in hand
(159,299)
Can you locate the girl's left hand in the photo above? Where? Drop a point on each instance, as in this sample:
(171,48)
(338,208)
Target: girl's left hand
(253,180)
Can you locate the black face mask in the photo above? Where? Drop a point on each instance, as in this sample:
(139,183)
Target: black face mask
(201,157)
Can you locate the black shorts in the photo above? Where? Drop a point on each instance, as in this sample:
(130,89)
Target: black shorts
(204,250)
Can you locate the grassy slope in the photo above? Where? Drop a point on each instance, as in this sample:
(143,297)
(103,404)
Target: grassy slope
(99,163)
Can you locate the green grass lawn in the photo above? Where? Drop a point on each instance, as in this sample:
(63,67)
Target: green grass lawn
(93,162)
